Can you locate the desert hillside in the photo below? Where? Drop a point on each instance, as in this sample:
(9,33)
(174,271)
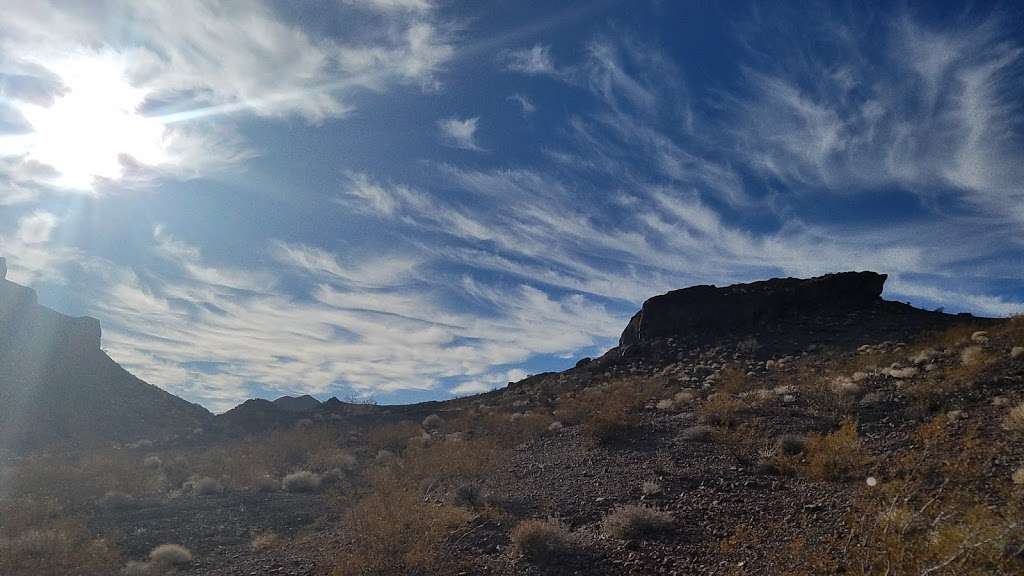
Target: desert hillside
(791,426)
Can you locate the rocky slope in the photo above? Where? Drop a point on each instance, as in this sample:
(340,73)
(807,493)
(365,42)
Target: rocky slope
(782,427)
(58,388)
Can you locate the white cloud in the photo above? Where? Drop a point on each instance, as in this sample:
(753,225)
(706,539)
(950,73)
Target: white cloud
(524,103)
(389,5)
(488,382)
(36,228)
(534,60)
(31,256)
(370,327)
(460,133)
(931,113)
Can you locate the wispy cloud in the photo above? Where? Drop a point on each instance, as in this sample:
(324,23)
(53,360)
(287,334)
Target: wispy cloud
(524,103)
(534,60)
(31,255)
(460,132)
(926,108)
(370,328)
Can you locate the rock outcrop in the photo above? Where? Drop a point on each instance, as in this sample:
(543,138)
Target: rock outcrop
(59,389)
(711,311)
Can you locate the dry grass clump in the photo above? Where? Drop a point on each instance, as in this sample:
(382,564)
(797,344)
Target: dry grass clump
(611,412)
(397,532)
(205,486)
(507,430)
(544,540)
(170,555)
(721,409)
(433,423)
(650,488)
(77,481)
(468,495)
(1014,420)
(791,444)
(697,433)
(631,522)
(837,455)
(940,514)
(393,438)
(66,548)
(302,481)
(733,381)
(264,541)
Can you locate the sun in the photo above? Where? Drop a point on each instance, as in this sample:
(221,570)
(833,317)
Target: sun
(93,123)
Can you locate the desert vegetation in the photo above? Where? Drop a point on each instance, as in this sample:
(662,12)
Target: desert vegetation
(889,457)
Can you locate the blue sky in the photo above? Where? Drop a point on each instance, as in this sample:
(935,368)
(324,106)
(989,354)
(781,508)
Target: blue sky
(414,199)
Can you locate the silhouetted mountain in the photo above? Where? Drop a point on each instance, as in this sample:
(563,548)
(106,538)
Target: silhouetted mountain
(58,388)
(304,403)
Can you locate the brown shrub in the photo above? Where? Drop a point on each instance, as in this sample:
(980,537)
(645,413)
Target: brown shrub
(78,481)
(837,455)
(721,409)
(544,540)
(66,548)
(733,381)
(396,532)
(631,522)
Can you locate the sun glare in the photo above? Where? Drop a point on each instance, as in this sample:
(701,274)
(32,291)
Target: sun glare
(93,124)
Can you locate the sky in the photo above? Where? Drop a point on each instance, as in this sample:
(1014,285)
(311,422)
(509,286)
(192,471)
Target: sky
(403,200)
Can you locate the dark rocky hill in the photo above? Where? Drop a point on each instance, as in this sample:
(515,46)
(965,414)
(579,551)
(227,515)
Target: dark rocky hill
(58,388)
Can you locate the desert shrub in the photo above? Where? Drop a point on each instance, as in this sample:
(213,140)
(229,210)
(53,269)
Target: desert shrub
(170,555)
(63,549)
(937,514)
(302,481)
(733,381)
(22,514)
(721,409)
(206,486)
(631,522)
(152,462)
(791,444)
(393,438)
(1018,476)
(610,412)
(837,455)
(650,488)
(511,430)
(1014,420)
(396,532)
(116,500)
(264,541)
(697,433)
(468,495)
(544,540)
(77,481)
(433,423)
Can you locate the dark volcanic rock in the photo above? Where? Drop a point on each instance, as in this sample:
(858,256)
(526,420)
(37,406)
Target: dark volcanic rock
(57,387)
(712,311)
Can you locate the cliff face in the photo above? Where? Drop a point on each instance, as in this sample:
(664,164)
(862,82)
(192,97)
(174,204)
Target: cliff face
(58,388)
(711,311)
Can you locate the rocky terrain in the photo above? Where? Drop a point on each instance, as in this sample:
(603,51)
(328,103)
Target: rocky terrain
(781,427)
